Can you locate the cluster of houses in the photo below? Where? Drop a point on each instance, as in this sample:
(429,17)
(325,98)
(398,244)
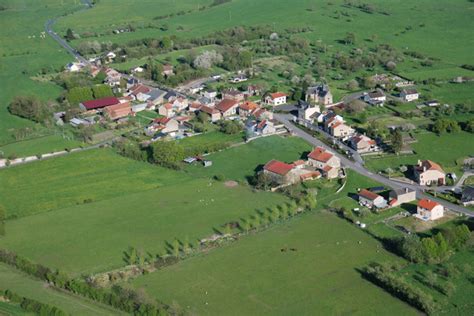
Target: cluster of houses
(426,210)
(320,163)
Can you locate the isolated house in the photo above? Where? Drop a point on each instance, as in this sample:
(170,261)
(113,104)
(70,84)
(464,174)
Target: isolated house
(429,210)
(400,196)
(363,144)
(98,103)
(409,95)
(325,161)
(319,94)
(227,107)
(371,200)
(428,172)
(275,99)
(375,97)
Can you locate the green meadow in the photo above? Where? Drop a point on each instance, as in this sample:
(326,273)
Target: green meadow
(23,54)
(261,275)
(24,285)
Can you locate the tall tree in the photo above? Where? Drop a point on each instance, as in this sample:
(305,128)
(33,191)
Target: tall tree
(397,141)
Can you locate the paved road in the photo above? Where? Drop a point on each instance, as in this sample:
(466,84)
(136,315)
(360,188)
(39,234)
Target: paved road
(357,167)
(48,26)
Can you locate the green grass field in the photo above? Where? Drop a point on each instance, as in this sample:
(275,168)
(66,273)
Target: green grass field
(254,277)
(21,284)
(241,162)
(42,145)
(447,150)
(70,180)
(23,54)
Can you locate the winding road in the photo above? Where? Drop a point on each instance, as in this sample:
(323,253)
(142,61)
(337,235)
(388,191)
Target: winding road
(286,119)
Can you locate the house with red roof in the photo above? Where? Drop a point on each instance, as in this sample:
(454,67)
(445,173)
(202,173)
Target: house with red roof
(118,111)
(363,144)
(428,172)
(286,174)
(98,103)
(213,113)
(276,98)
(233,94)
(325,161)
(371,200)
(247,108)
(429,210)
(227,107)
(341,130)
(162,124)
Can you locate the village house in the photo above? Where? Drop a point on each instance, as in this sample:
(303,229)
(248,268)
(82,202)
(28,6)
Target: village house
(467,195)
(429,210)
(409,95)
(325,161)
(376,97)
(238,79)
(319,94)
(210,94)
(275,99)
(227,107)
(253,90)
(194,107)
(340,130)
(155,97)
(401,196)
(139,92)
(164,125)
(363,144)
(331,118)
(168,70)
(371,200)
(428,172)
(118,111)
(139,107)
(286,174)
(113,77)
(167,110)
(213,113)
(247,108)
(233,94)
(74,67)
(307,111)
(261,114)
(98,103)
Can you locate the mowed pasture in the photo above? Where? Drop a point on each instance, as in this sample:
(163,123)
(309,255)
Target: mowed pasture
(305,266)
(77,178)
(24,285)
(242,162)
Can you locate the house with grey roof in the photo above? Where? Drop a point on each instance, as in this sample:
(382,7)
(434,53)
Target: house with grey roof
(319,94)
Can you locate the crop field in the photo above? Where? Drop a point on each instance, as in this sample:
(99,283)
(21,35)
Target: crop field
(447,150)
(260,275)
(241,162)
(21,284)
(24,54)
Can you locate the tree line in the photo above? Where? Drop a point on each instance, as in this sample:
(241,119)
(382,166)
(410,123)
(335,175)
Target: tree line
(33,306)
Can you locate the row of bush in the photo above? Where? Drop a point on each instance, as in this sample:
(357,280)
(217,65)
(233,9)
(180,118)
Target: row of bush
(127,300)
(33,306)
(385,277)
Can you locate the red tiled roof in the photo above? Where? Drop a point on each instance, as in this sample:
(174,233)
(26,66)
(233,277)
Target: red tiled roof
(248,106)
(392,202)
(259,112)
(278,167)
(226,104)
(209,110)
(427,204)
(100,103)
(299,162)
(120,110)
(261,124)
(368,194)
(162,120)
(309,175)
(430,165)
(277,95)
(320,154)
(139,88)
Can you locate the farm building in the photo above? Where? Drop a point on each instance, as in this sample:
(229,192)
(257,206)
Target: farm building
(371,200)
